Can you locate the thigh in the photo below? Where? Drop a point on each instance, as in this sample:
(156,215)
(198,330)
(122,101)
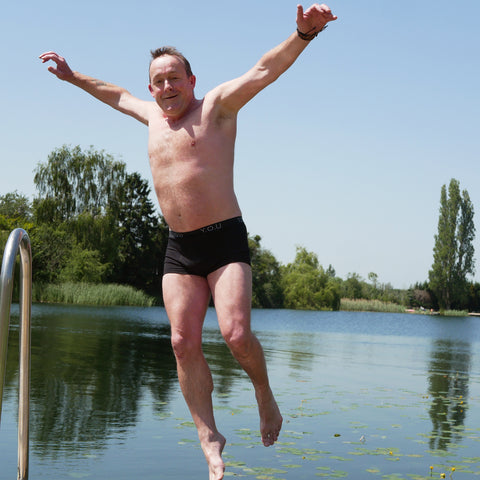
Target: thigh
(186,299)
(231,287)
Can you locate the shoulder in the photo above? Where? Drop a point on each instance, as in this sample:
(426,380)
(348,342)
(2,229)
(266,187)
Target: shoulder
(214,106)
(146,111)
(231,96)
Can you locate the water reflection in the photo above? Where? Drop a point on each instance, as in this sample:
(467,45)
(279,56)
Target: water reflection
(95,370)
(88,381)
(448,385)
(302,352)
(91,374)
(225,369)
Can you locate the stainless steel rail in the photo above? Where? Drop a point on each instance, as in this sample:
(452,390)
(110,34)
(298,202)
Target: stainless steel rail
(18,241)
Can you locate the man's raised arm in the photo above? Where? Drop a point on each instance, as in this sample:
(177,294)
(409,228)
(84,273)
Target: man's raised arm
(113,95)
(236,93)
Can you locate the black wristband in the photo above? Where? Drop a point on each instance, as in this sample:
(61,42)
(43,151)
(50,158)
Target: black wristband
(310,36)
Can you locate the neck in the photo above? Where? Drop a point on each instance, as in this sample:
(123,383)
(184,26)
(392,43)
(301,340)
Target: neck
(193,105)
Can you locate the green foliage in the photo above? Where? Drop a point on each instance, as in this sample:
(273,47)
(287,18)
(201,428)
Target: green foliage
(96,222)
(420,296)
(73,182)
(13,205)
(363,305)
(307,286)
(82,266)
(354,287)
(143,237)
(474,297)
(96,233)
(90,294)
(51,247)
(7,225)
(266,287)
(453,251)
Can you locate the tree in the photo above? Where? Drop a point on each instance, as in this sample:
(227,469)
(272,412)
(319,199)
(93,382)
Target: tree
(353,287)
(373,277)
(266,287)
(73,182)
(15,205)
(51,247)
(143,237)
(453,253)
(307,286)
(82,266)
(105,214)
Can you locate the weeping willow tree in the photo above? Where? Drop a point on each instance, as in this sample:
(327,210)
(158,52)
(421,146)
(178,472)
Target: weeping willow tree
(95,222)
(72,182)
(453,253)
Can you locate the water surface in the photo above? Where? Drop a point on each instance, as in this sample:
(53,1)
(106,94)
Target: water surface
(364,395)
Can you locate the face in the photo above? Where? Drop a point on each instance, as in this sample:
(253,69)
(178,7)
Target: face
(170,85)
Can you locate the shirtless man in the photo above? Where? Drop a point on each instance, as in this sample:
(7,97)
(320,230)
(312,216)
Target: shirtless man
(191,150)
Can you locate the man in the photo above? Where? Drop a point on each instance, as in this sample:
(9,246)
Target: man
(191,150)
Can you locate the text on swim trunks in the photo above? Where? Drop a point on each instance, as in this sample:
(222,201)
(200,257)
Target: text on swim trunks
(211,228)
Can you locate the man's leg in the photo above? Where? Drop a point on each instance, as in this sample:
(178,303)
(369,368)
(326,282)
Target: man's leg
(186,300)
(231,287)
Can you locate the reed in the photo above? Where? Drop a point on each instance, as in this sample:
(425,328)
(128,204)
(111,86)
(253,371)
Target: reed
(91,294)
(362,305)
(454,313)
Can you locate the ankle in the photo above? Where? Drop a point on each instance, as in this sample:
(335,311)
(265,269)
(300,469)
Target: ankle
(263,392)
(208,435)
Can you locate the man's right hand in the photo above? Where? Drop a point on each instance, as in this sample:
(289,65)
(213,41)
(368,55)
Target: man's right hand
(62,70)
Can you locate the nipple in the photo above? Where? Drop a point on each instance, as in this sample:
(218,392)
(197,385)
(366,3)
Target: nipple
(192,143)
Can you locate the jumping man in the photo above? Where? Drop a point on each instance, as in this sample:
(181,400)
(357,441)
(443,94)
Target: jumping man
(191,151)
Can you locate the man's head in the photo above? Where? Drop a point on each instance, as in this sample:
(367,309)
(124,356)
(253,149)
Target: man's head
(159,52)
(171,81)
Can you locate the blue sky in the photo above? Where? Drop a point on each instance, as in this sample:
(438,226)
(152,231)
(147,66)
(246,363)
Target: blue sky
(345,154)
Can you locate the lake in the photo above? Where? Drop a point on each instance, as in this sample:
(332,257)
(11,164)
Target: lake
(363,395)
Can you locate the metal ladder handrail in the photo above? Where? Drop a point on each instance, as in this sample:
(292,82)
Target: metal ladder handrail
(18,241)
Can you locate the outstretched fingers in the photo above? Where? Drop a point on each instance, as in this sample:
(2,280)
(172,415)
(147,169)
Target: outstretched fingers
(62,70)
(44,57)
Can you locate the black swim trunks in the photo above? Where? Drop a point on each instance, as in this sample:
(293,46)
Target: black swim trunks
(203,251)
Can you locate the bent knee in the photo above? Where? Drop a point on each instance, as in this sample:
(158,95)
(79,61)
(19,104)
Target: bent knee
(184,347)
(239,341)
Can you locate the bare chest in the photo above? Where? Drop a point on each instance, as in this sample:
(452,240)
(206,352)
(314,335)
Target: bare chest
(196,142)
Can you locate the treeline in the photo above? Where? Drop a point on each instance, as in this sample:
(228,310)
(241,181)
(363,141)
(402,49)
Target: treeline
(90,222)
(93,224)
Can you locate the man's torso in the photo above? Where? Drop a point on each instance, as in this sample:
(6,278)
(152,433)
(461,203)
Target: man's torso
(192,166)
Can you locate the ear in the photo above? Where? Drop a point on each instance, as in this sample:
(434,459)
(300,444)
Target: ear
(193,80)
(151,89)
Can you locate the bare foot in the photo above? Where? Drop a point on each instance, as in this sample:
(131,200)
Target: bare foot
(270,417)
(212,448)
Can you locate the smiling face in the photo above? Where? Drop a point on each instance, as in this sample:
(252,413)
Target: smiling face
(170,85)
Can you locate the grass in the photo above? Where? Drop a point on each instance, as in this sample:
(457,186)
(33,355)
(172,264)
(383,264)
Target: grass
(362,305)
(454,313)
(91,294)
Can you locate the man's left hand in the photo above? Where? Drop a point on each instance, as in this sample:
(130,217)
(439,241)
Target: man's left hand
(314,18)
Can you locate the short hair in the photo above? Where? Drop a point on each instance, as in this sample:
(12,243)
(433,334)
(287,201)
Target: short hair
(160,52)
